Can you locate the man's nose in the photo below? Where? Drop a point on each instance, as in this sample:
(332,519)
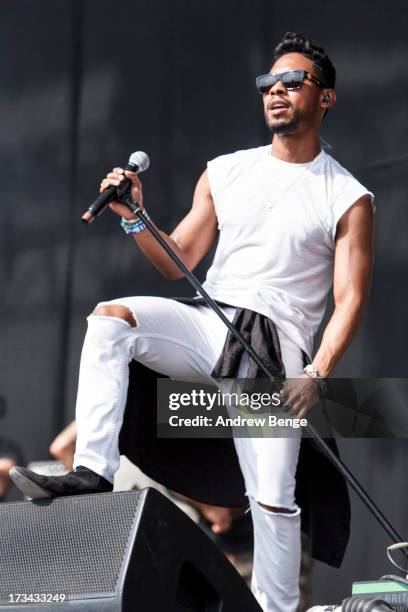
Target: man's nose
(277,89)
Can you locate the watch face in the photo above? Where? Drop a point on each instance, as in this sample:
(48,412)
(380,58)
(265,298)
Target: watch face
(311,371)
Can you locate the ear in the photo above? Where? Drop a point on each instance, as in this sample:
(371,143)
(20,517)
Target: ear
(328,98)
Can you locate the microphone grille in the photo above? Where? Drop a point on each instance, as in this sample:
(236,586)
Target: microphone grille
(140,159)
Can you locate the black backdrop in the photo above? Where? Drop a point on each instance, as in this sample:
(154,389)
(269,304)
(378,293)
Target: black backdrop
(85,83)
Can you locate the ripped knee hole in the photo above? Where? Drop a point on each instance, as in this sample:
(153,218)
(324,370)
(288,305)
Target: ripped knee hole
(276,509)
(117,311)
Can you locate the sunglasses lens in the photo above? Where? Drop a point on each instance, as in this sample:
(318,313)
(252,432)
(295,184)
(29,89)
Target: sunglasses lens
(293,79)
(265,82)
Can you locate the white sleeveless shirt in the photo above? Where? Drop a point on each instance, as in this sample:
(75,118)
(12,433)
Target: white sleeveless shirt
(277,223)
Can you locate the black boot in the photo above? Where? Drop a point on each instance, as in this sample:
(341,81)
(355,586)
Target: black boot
(78,482)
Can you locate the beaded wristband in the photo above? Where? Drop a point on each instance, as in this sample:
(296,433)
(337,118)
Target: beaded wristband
(133,226)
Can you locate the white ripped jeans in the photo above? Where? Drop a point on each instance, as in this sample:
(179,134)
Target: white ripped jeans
(184,342)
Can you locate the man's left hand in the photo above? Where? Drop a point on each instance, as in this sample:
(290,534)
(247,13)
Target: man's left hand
(299,395)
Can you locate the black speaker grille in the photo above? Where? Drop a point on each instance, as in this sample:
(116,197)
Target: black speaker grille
(72,545)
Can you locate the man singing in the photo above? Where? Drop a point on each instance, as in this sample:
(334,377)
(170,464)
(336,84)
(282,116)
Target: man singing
(292,222)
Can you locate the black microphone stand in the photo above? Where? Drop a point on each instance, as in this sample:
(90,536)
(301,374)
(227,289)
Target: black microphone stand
(337,462)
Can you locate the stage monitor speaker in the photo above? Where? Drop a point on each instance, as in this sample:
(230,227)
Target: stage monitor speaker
(129,551)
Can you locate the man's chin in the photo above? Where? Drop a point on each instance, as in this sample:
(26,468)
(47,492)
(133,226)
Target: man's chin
(282,127)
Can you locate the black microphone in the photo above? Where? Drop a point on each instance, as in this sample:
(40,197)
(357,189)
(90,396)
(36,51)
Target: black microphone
(138,162)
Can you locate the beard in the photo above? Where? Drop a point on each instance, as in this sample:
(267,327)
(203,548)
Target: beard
(283,127)
(287,126)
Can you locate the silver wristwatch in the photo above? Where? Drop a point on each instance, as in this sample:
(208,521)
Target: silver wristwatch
(313,372)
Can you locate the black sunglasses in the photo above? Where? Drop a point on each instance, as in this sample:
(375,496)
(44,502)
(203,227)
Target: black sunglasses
(292,79)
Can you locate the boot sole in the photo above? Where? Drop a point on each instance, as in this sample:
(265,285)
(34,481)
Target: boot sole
(27,486)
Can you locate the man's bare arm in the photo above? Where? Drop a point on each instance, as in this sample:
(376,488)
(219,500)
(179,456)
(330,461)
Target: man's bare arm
(192,237)
(353,263)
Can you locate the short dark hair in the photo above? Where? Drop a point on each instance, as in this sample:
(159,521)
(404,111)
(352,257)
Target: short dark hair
(293,42)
